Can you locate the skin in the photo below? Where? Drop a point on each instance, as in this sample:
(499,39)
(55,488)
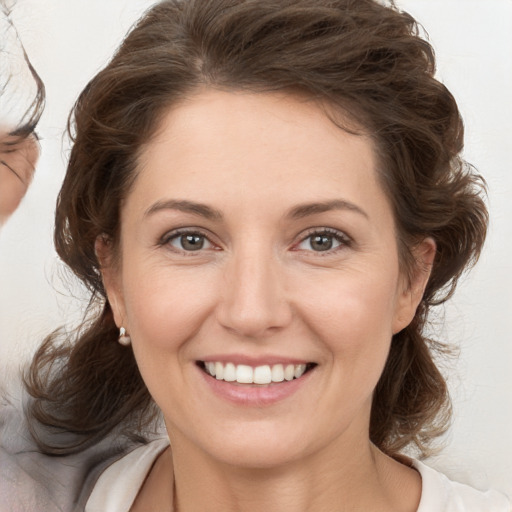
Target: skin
(17,163)
(258,288)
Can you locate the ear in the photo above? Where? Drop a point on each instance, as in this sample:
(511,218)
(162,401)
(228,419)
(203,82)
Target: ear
(414,285)
(111,276)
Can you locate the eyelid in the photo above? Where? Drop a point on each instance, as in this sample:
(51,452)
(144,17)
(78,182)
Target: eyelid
(175,233)
(344,239)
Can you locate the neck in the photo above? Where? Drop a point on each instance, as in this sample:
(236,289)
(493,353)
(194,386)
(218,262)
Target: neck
(361,478)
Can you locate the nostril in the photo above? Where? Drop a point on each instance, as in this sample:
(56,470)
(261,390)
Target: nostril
(254,318)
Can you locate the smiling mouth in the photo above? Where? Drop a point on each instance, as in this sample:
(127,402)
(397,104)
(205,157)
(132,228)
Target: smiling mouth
(260,375)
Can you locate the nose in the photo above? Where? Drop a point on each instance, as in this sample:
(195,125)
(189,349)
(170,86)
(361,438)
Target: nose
(253,302)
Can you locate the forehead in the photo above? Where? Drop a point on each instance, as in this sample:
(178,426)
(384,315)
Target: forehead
(246,139)
(255,158)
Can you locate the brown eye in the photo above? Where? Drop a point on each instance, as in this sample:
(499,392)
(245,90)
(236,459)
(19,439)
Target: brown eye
(190,242)
(323,241)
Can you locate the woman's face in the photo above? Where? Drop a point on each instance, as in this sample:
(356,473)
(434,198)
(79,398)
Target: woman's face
(257,243)
(17,164)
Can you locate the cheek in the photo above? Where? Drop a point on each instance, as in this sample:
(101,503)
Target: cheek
(164,311)
(359,301)
(12,191)
(165,308)
(353,315)
(350,317)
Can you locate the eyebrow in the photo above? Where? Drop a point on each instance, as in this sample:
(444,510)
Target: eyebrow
(298,212)
(187,207)
(305,210)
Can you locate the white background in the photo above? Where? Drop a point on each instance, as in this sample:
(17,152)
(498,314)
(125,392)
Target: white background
(68,41)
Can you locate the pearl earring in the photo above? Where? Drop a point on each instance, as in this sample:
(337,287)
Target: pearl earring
(124,339)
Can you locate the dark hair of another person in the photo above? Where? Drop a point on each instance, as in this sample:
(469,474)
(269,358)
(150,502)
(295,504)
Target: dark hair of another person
(27,122)
(357,58)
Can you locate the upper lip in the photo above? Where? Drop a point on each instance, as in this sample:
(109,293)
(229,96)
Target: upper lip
(254,360)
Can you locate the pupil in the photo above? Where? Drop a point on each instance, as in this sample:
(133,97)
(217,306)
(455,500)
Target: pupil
(192,242)
(321,243)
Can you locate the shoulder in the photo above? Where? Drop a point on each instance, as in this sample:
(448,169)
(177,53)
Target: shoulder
(18,487)
(24,483)
(443,495)
(116,493)
(30,480)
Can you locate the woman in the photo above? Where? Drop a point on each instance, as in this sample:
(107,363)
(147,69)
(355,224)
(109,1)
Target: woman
(20,110)
(19,155)
(265,199)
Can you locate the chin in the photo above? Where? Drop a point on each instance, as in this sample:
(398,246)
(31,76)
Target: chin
(258,446)
(257,456)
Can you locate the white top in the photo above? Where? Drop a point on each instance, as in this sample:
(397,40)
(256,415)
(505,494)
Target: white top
(118,485)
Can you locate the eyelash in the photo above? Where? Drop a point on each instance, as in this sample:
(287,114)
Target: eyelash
(340,237)
(344,240)
(174,235)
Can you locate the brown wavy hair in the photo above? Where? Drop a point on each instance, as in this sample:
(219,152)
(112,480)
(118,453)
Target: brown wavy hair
(366,60)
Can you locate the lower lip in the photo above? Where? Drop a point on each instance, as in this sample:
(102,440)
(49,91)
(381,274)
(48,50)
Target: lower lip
(254,395)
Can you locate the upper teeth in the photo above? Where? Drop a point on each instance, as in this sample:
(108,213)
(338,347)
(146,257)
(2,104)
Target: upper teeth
(245,374)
